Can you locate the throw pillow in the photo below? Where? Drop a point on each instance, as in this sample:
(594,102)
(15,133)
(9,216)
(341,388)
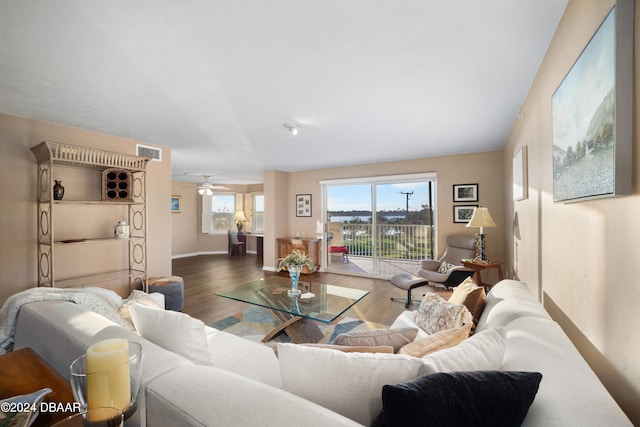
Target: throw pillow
(347,383)
(396,338)
(445,267)
(174,331)
(481,398)
(472,296)
(136,297)
(435,314)
(482,352)
(354,349)
(438,341)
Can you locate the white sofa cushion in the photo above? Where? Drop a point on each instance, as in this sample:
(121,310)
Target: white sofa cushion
(205,396)
(570,393)
(507,301)
(244,357)
(347,383)
(174,331)
(483,351)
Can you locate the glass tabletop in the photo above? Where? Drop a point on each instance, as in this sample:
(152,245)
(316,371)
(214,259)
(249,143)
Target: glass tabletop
(319,301)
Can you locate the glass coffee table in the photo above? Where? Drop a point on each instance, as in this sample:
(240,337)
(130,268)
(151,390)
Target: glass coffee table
(295,315)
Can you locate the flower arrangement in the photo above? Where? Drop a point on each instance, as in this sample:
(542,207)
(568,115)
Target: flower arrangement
(296,257)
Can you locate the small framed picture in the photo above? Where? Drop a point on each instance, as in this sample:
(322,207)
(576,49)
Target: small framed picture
(520,181)
(463,213)
(176,204)
(465,193)
(303,204)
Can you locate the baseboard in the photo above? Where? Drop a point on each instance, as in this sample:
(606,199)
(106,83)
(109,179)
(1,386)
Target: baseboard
(206,253)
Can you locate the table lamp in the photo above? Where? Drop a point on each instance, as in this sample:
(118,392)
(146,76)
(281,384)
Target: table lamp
(481,218)
(239,217)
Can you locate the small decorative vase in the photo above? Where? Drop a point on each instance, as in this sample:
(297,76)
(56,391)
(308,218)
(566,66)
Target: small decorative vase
(294,273)
(295,307)
(58,191)
(121,230)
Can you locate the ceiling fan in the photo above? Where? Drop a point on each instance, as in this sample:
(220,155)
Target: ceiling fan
(207,187)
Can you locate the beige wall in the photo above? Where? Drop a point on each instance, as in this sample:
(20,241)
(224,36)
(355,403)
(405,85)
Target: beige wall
(18,254)
(484,169)
(579,257)
(187,236)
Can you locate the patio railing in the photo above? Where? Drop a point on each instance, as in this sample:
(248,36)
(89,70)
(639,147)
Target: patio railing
(398,242)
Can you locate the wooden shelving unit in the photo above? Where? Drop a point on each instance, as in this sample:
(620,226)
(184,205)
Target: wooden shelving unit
(51,155)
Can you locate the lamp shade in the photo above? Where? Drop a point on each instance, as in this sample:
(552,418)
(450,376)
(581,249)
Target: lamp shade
(240,216)
(481,218)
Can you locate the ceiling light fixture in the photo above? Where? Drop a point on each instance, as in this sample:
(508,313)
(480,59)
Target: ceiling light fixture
(291,128)
(207,188)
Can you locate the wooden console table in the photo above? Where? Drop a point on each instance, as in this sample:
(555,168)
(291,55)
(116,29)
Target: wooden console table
(478,266)
(24,372)
(310,246)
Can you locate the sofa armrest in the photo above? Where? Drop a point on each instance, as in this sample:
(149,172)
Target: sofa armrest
(59,331)
(244,357)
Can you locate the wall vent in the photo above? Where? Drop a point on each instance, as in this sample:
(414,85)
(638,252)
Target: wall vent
(152,152)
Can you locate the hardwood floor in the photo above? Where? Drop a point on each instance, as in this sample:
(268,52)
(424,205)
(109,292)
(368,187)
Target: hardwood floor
(204,275)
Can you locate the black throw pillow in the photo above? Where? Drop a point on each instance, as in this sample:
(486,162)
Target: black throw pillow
(477,398)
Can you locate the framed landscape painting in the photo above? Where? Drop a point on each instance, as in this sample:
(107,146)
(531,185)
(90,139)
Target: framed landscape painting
(465,193)
(463,213)
(592,113)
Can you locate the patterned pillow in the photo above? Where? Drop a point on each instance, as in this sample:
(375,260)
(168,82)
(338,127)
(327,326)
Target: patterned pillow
(436,314)
(445,267)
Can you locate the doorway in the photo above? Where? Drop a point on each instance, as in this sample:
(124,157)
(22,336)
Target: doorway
(379,226)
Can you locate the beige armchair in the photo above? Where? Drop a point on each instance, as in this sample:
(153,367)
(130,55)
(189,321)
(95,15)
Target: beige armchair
(448,271)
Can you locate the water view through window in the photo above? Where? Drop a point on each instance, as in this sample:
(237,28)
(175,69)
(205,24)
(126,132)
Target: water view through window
(387,225)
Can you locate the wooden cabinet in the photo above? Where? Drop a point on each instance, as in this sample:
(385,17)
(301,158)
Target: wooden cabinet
(126,200)
(310,246)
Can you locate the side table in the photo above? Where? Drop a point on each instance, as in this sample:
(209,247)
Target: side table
(478,266)
(23,372)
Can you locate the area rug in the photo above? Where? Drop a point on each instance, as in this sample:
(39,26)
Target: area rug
(255,322)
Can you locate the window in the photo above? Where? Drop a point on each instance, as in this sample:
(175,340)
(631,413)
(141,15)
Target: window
(257,212)
(386,222)
(218,212)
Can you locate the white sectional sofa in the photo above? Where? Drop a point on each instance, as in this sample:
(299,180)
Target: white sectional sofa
(243,386)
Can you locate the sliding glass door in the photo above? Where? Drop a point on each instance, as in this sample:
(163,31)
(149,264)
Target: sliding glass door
(379,226)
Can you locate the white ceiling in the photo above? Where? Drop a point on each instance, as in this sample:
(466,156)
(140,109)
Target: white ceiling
(367,80)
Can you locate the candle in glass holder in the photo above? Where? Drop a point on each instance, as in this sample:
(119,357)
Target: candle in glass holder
(108,374)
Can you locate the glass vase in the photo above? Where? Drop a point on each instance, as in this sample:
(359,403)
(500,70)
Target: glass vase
(294,273)
(80,379)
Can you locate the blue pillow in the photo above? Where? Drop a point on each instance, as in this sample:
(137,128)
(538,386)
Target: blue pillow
(478,398)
